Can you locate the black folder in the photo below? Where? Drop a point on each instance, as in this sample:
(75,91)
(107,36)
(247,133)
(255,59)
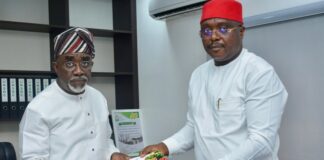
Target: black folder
(4,109)
(22,101)
(13,100)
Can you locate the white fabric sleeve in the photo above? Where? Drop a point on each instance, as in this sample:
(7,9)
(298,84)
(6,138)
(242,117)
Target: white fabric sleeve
(111,147)
(264,107)
(182,141)
(33,137)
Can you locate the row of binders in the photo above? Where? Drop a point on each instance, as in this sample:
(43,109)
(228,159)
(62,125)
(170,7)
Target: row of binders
(16,93)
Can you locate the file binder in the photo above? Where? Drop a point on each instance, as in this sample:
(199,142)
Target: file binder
(22,97)
(45,83)
(0,101)
(38,86)
(30,89)
(13,99)
(4,110)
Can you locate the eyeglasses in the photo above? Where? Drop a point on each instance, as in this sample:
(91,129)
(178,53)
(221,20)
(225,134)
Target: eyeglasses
(222,30)
(83,64)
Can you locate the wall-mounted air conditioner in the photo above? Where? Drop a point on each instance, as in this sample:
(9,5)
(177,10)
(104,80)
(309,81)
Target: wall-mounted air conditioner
(308,8)
(160,9)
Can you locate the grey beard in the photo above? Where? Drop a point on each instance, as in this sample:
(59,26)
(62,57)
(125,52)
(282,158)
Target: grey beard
(76,89)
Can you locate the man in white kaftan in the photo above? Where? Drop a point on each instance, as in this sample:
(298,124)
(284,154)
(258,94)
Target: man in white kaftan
(234,111)
(236,99)
(69,119)
(58,125)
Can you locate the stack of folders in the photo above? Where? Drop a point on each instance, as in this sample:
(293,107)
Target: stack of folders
(16,93)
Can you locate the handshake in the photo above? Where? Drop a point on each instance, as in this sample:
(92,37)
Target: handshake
(151,152)
(154,152)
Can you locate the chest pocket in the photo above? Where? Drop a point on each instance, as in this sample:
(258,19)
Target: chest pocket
(233,104)
(229,115)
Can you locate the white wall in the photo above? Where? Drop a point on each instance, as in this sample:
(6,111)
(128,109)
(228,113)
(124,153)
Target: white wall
(167,54)
(295,48)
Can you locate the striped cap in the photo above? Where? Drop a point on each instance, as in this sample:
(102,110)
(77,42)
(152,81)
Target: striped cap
(74,40)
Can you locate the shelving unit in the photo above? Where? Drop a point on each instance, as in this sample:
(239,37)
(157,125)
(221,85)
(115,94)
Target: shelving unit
(125,46)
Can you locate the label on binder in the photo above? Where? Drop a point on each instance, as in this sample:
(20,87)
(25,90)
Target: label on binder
(45,83)
(30,89)
(4,89)
(13,91)
(38,86)
(21,90)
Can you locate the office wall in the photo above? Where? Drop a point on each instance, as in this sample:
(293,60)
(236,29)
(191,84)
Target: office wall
(295,48)
(167,54)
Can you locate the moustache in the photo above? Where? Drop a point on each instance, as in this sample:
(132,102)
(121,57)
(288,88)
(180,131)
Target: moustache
(81,78)
(215,45)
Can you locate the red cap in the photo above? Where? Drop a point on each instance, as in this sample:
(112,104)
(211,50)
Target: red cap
(225,9)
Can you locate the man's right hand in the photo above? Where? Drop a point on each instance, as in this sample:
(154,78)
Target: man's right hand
(156,147)
(119,156)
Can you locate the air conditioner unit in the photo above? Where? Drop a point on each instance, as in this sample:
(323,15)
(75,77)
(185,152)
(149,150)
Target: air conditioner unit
(288,13)
(161,9)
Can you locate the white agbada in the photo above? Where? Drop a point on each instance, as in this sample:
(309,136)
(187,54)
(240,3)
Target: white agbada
(60,126)
(234,111)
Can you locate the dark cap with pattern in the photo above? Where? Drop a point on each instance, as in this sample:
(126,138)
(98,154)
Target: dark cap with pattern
(74,40)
